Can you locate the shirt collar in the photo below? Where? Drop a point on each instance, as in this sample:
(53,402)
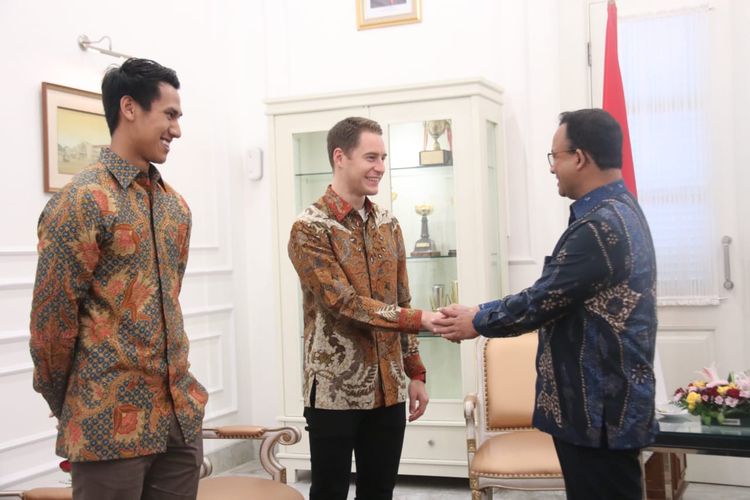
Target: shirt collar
(339,207)
(588,201)
(124,172)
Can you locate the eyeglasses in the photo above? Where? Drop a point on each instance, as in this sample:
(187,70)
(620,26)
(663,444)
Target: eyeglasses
(551,155)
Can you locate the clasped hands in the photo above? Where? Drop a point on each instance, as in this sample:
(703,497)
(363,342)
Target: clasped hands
(453,322)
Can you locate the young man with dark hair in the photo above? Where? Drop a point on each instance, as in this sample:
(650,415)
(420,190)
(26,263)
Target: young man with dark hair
(359,328)
(107,339)
(595,309)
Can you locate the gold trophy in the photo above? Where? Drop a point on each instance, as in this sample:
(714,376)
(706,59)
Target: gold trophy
(424,247)
(436,156)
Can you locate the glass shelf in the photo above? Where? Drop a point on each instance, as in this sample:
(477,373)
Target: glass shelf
(313,174)
(395,170)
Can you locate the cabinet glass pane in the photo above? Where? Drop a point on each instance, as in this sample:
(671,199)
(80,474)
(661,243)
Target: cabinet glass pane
(312,171)
(422,194)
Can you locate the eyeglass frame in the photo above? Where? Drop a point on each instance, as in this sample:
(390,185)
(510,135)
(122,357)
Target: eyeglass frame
(551,155)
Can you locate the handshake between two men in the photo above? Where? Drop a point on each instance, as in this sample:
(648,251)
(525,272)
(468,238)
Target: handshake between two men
(454,322)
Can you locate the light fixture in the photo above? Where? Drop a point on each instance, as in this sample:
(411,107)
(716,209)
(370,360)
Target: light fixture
(86,44)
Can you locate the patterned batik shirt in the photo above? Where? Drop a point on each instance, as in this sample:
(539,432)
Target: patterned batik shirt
(107,339)
(595,308)
(356,306)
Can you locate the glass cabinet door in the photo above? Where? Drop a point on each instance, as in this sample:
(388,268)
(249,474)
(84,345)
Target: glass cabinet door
(422,199)
(312,171)
(312,175)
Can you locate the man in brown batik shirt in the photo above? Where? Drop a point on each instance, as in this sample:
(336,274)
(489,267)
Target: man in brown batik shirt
(359,329)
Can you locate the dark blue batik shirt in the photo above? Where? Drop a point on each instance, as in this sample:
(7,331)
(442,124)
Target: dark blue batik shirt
(595,309)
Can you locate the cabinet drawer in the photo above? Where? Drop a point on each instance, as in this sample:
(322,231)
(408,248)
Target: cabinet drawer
(434,443)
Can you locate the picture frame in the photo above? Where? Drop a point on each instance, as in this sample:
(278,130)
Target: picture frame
(75,131)
(382,13)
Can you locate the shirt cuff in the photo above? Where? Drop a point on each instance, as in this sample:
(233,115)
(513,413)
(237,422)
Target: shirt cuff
(410,320)
(414,368)
(479,318)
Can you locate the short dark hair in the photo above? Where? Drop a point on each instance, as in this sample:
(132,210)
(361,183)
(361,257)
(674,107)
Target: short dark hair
(345,134)
(596,132)
(138,78)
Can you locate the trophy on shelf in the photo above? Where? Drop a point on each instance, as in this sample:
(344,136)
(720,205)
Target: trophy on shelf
(424,247)
(436,156)
(437,297)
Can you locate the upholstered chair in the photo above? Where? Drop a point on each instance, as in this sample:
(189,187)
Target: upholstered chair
(504,450)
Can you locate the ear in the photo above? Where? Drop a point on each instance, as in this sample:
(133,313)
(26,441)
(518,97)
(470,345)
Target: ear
(127,107)
(338,155)
(583,159)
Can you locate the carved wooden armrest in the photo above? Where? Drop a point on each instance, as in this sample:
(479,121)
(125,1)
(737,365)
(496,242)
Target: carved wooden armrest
(470,406)
(269,439)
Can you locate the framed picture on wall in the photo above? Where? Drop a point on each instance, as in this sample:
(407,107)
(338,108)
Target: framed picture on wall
(75,131)
(379,13)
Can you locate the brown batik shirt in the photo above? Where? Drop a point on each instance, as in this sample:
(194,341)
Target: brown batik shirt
(359,342)
(107,339)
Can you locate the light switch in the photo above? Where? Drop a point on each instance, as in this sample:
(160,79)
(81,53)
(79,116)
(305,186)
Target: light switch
(252,164)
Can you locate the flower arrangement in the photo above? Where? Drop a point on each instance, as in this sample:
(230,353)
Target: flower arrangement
(724,400)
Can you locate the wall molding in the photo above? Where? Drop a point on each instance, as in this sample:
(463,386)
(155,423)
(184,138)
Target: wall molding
(29,473)
(30,439)
(205,311)
(220,413)
(16,285)
(206,336)
(209,271)
(17,251)
(16,369)
(11,336)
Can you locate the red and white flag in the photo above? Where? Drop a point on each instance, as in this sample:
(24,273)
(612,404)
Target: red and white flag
(614,96)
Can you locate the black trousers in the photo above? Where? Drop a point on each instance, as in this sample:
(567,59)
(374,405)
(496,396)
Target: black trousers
(375,436)
(600,473)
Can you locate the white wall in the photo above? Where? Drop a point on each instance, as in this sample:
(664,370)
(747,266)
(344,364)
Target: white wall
(229,56)
(217,50)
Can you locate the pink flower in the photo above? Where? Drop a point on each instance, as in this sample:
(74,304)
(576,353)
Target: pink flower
(719,400)
(742,380)
(712,377)
(731,402)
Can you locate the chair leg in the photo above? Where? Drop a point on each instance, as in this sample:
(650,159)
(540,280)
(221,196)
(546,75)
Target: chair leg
(483,494)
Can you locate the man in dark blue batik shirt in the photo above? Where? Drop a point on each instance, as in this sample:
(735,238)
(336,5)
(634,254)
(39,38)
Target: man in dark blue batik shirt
(595,309)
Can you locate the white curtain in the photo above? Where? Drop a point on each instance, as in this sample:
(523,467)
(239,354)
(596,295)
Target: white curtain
(664,62)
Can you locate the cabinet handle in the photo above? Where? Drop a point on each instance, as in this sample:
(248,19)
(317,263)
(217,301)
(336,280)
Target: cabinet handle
(431,442)
(728,283)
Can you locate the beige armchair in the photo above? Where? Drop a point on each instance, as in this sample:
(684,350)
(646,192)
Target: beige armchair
(246,487)
(221,487)
(504,450)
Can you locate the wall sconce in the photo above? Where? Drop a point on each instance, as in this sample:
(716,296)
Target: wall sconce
(85,44)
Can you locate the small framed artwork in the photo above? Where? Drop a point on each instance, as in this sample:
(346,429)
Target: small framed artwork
(75,131)
(380,13)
